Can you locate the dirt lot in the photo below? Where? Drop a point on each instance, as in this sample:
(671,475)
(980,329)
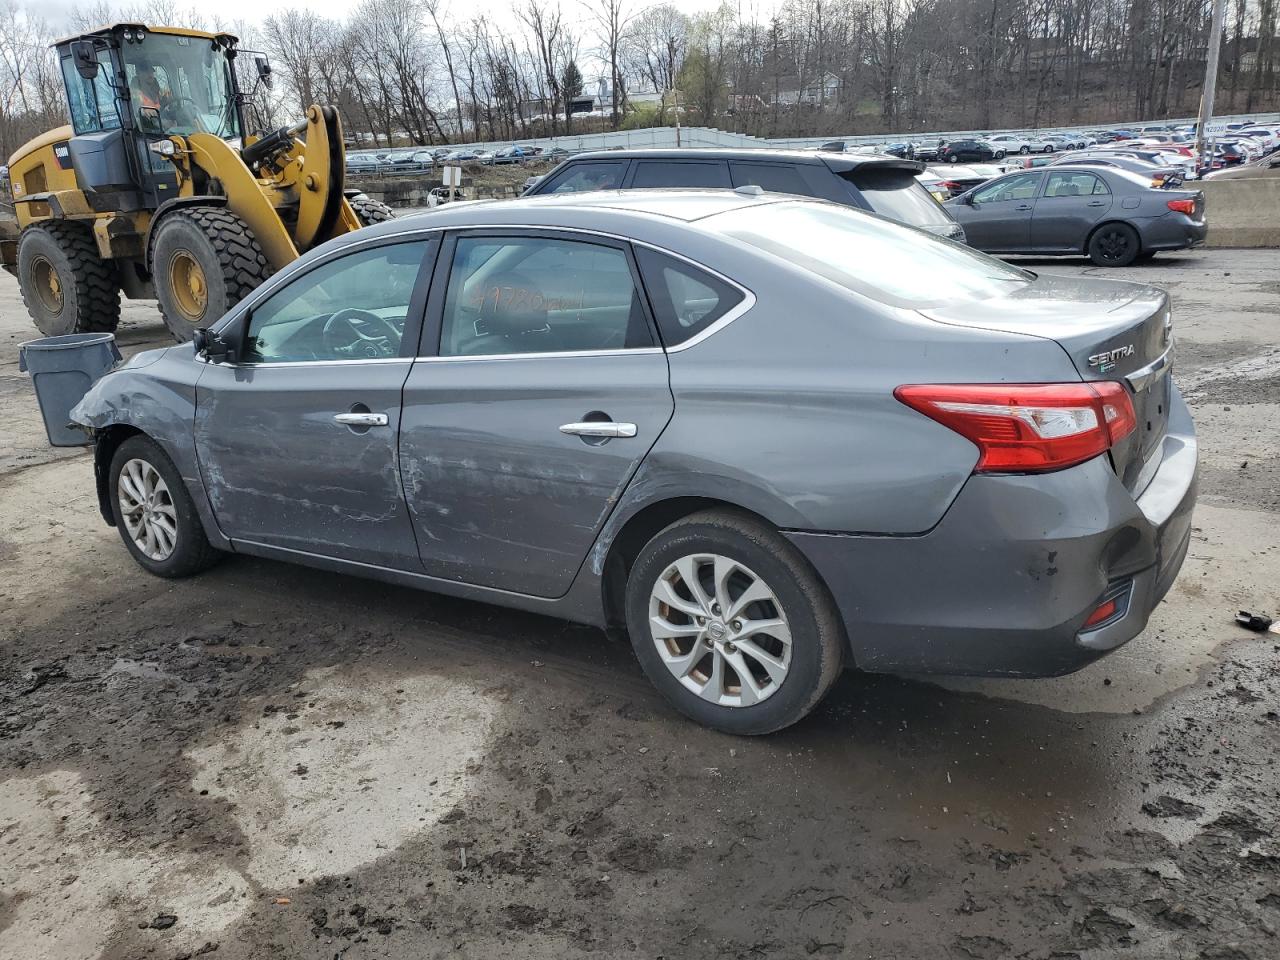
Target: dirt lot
(272,762)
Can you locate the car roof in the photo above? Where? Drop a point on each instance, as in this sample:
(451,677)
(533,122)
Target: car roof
(602,210)
(837,161)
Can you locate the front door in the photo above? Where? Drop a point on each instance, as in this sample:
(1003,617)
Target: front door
(1073,201)
(546,390)
(297,441)
(998,216)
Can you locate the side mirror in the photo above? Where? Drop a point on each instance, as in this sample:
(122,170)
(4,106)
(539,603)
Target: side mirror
(212,346)
(86,59)
(149,121)
(264,71)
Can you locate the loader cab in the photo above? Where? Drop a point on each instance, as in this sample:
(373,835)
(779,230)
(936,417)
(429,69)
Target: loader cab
(130,87)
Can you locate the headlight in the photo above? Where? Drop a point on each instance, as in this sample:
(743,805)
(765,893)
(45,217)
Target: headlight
(165,148)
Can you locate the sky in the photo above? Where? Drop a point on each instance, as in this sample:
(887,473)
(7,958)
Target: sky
(499,12)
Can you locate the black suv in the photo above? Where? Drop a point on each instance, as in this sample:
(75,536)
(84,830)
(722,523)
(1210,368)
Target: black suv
(883,185)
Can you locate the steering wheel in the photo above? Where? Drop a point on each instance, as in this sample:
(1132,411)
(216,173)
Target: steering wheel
(364,345)
(171,106)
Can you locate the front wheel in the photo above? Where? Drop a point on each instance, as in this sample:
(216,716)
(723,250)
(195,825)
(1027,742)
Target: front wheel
(732,625)
(1048,148)
(369,211)
(154,512)
(999,155)
(1114,245)
(1024,149)
(204,261)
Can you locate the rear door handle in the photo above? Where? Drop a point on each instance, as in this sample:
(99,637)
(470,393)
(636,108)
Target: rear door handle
(361,419)
(599,428)
(1096,203)
(1025,206)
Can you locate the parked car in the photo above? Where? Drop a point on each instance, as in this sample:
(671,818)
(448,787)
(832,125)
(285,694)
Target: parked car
(901,149)
(884,185)
(781,438)
(461,155)
(934,184)
(508,155)
(1160,175)
(1113,216)
(1010,143)
(530,183)
(957,151)
(957,178)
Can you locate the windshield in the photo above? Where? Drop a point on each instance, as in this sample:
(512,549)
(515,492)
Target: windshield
(869,255)
(180,85)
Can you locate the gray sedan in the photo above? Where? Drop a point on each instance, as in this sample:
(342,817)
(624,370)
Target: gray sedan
(768,436)
(1113,216)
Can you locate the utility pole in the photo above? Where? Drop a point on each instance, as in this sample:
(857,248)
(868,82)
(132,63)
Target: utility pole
(1210,77)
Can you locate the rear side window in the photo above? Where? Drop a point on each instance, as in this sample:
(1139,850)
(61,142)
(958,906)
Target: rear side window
(680,173)
(686,300)
(1073,185)
(775,177)
(587,176)
(897,194)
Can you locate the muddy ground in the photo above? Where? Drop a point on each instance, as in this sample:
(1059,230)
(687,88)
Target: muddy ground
(269,762)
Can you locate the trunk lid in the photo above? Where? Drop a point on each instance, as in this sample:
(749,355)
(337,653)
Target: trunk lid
(1111,330)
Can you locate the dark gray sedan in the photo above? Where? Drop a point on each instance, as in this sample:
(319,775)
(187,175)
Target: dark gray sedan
(767,436)
(1112,216)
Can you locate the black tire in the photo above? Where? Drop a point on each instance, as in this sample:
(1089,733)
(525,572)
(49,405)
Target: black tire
(1114,245)
(999,155)
(369,210)
(953,158)
(1048,148)
(817,639)
(191,551)
(1025,148)
(229,258)
(86,298)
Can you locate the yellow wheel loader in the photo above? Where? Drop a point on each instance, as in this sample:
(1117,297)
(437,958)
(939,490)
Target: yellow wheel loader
(156,189)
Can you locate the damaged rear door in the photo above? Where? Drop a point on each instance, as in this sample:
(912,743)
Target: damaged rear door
(297,440)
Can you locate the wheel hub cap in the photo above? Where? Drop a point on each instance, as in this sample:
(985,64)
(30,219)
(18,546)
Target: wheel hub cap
(47,286)
(720,630)
(146,506)
(187,282)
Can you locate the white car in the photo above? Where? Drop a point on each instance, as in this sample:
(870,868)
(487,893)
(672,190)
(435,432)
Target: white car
(1270,138)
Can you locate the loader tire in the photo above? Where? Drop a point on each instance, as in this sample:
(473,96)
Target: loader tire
(370,211)
(204,261)
(66,286)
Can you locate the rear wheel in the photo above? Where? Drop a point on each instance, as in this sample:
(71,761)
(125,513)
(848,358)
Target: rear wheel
(66,286)
(1048,148)
(369,210)
(999,155)
(953,158)
(204,260)
(1114,245)
(732,624)
(1024,149)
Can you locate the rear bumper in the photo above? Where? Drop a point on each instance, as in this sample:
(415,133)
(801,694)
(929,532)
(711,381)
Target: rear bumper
(1003,584)
(1173,231)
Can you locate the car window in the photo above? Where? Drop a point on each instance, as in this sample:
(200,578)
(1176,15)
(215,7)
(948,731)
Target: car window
(897,194)
(351,308)
(589,175)
(1073,185)
(776,177)
(540,295)
(874,258)
(686,300)
(1020,187)
(680,173)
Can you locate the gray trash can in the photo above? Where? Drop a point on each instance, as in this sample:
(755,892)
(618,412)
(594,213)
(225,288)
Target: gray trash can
(62,370)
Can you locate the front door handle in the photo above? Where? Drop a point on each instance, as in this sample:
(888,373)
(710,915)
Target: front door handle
(361,419)
(1025,206)
(599,428)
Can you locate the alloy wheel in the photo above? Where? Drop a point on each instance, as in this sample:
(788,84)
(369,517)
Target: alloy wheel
(720,630)
(147,509)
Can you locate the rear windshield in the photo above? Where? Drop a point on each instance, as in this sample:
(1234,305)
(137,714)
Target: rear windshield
(896,194)
(869,255)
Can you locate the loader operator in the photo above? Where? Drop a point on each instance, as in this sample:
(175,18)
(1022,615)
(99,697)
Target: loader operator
(149,93)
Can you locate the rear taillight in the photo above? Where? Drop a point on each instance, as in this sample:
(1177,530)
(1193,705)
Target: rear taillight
(1028,428)
(951,184)
(1181,206)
